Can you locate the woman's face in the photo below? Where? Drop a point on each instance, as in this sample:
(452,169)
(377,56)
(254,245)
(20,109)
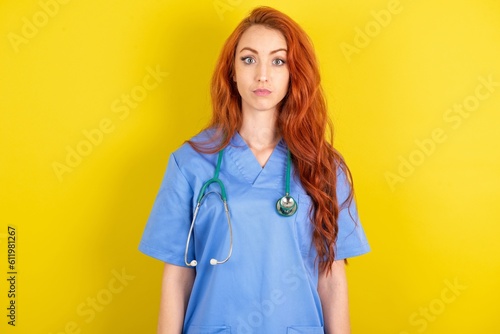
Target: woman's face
(261,70)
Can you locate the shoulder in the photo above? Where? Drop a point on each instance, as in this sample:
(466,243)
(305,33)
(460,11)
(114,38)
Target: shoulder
(187,151)
(343,186)
(188,159)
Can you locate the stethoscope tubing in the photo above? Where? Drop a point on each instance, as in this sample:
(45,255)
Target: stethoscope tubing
(201,196)
(213,261)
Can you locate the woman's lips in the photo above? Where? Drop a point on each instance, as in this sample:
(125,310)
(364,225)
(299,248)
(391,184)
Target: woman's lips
(262,92)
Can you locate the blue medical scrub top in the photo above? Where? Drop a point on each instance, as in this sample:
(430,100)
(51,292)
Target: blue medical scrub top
(269,285)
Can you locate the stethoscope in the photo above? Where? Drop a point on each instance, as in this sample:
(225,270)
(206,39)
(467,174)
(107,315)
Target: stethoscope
(285,206)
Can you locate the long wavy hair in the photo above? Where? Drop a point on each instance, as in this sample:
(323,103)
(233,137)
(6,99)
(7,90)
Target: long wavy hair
(303,123)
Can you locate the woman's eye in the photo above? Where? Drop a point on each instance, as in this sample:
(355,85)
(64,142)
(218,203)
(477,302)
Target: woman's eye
(279,62)
(248,60)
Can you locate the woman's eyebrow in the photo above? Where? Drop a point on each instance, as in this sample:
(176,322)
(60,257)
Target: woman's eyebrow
(255,51)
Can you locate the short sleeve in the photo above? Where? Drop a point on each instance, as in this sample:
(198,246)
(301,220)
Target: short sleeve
(351,238)
(165,234)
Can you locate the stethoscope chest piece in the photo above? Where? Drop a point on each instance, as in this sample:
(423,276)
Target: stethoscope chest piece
(286,206)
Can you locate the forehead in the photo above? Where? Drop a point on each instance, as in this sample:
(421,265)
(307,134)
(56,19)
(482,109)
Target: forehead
(261,38)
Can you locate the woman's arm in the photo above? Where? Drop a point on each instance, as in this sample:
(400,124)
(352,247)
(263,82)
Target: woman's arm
(177,283)
(332,291)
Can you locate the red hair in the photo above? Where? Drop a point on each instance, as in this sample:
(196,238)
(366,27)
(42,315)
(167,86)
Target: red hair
(303,123)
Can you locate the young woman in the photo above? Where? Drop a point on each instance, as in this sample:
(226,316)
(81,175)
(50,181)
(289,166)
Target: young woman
(260,248)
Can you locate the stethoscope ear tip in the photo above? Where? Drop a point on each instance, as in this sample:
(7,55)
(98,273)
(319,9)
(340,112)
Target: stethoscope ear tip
(214,262)
(193,263)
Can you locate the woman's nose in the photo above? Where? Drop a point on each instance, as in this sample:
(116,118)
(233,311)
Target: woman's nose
(263,73)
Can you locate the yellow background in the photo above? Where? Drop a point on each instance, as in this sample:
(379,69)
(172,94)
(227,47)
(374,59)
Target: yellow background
(436,227)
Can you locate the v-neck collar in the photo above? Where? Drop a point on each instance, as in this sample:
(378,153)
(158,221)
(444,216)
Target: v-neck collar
(269,175)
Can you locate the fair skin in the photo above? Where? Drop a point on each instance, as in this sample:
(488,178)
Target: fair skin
(262,78)
(177,283)
(332,291)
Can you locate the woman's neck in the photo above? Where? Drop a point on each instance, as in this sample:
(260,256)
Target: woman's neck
(260,132)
